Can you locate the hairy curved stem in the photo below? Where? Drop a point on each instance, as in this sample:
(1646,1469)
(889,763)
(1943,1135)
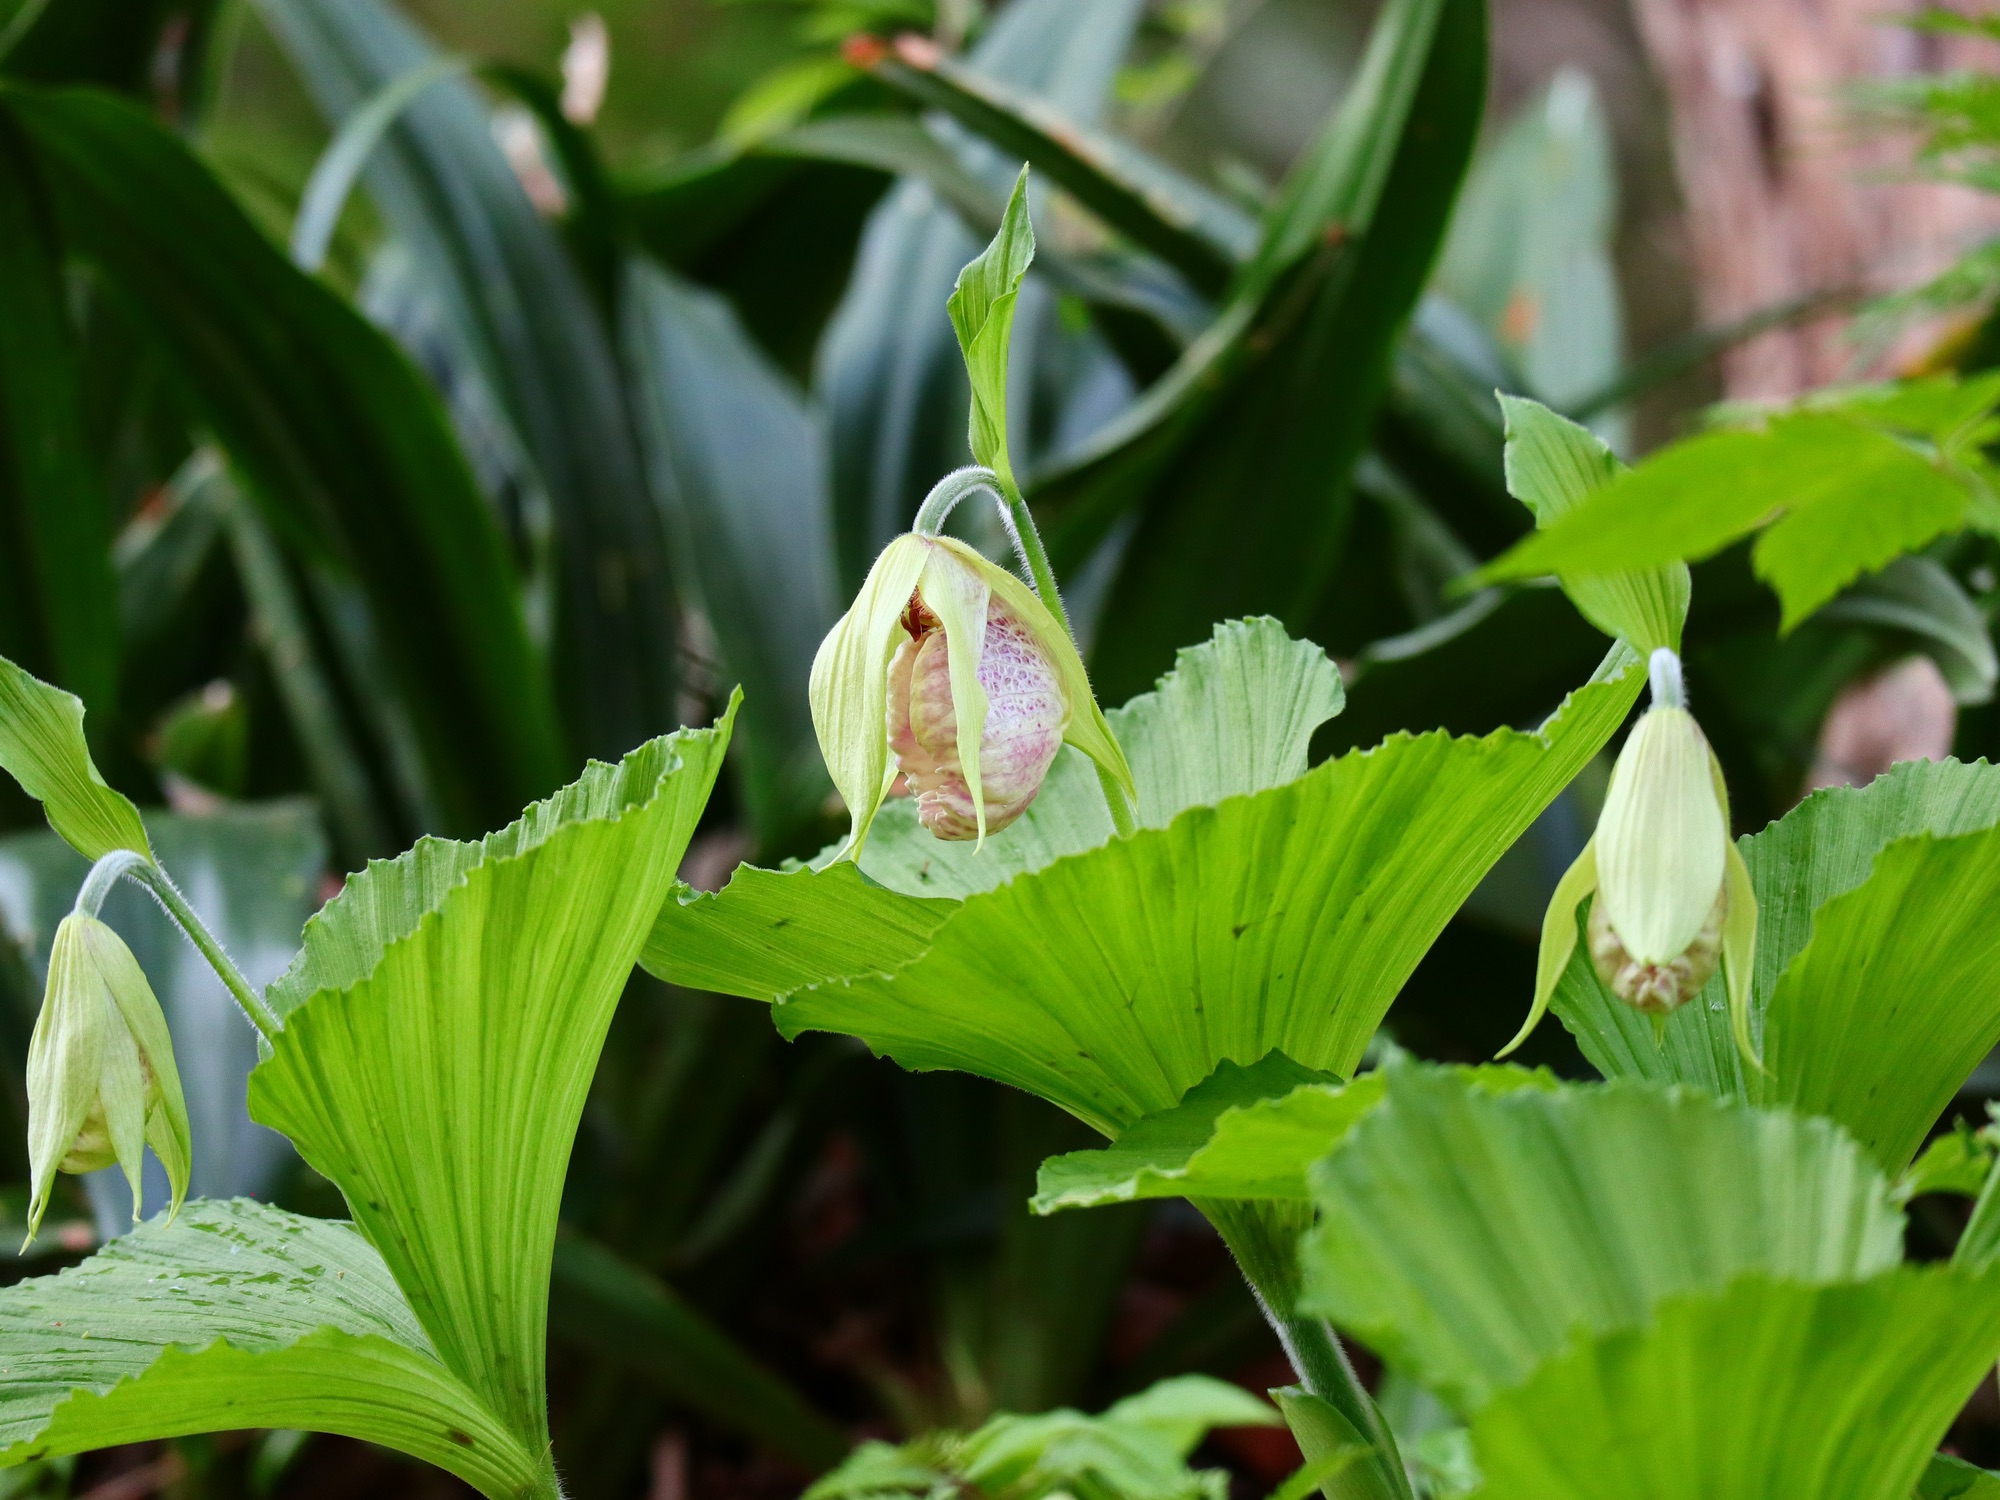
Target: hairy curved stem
(122,863)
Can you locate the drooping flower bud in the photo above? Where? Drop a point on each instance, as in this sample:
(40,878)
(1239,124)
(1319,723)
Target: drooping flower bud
(949,672)
(1673,899)
(102,1085)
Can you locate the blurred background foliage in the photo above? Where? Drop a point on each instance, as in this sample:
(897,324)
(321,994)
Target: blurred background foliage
(401,403)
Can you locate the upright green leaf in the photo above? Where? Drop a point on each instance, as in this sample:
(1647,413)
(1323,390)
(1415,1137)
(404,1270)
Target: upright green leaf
(1293,916)
(740,464)
(42,747)
(1766,1389)
(440,1033)
(345,447)
(1553,466)
(238,1315)
(1873,996)
(888,375)
(515,299)
(981,308)
(1276,401)
(58,605)
(1468,1237)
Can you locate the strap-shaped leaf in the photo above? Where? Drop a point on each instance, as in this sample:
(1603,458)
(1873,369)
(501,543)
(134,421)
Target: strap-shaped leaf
(1873,995)
(516,304)
(1468,1237)
(1949,1478)
(58,597)
(1237,461)
(42,747)
(238,1315)
(1113,981)
(346,448)
(441,1029)
(740,465)
(1242,1132)
(1763,1390)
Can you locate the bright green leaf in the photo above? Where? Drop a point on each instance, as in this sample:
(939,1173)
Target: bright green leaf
(1467,1236)
(452,1156)
(1873,994)
(1958,1161)
(1763,1390)
(982,315)
(1241,1133)
(1838,499)
(1949,1478)
(1554,466)
(237,1316)
(42,747)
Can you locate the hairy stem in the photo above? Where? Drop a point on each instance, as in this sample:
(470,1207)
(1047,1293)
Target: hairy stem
(106,872)
(1264,1239)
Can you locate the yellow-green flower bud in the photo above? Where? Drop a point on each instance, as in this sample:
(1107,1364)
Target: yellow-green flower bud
(950,673)
(102,1085)
(1673,898)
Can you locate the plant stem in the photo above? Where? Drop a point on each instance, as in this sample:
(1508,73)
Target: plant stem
(168,895)
(1264,1238)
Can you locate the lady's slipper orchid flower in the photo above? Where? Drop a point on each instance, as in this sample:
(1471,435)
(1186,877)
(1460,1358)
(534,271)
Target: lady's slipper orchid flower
(102,1085)
(1673,896)
(951,673)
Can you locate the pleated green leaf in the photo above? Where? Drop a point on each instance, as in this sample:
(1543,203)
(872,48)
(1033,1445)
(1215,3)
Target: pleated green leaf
(42,747)
(1235,716)
(1874,993)
(1468,1237)
(1241,1133)
(237,1316)
(440,1032)
(1767,1389)
(1113,981)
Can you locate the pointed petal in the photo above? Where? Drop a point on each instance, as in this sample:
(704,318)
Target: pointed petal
(167,1129)
(121,1090)
(65,1062)
(850,684)
(957,593)
(1739,953)
(1558,937)
(1087,728)
(1660,840)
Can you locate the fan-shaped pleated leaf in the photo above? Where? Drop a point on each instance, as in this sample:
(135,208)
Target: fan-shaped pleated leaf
(1468,1237)
(238,1315)
(1766,1389)
(441,1030)
(1241,1133)
(1874,993)
(1113,981)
